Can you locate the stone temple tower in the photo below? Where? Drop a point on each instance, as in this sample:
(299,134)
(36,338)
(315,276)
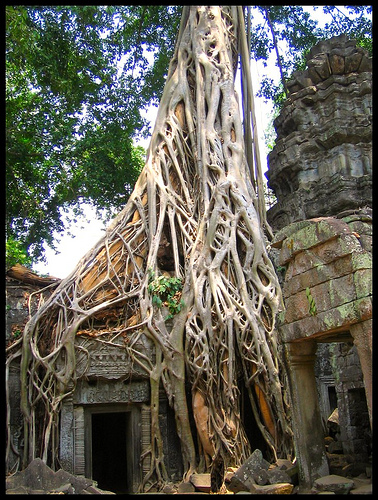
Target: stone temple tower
(321,173)
(322,162)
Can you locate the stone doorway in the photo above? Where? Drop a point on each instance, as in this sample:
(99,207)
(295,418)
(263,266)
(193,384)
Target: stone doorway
(340,385)
(110,447)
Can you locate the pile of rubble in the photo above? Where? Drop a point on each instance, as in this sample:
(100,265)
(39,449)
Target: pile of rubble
(255,476)
(39,479)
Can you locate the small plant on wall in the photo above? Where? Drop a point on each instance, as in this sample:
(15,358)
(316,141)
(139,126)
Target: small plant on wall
(311,302)
(166,291)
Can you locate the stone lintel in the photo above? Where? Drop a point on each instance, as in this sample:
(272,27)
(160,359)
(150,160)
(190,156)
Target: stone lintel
(329,294)
(327,253)
(327,322)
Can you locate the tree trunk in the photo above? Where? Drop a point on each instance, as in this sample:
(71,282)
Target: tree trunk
(192,215)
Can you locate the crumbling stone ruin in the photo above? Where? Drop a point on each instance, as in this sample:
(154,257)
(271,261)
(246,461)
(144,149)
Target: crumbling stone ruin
(321,173)
(321,164)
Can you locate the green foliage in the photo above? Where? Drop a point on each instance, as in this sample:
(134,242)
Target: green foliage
(15,253)
(16,333)
(77,78)
(311,302)
(166,291)
(296,30)
(76,82)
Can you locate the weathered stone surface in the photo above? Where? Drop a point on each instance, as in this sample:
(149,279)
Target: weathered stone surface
(278,476)
(261,477)
(328,295)
(236,485)
(291,469)
(317,235)
(185,487)
(19,490)
(79,483)
(272,489)
(362,485)
(93,490)
(324,258)
(201,482)
(170,488)
(243,478)
(104,361)
(38,478)
(328,321)
(66,488)
(335,447)
(337,484)
(322,161)
(366,489)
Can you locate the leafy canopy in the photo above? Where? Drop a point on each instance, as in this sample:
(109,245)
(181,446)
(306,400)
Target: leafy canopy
(77,79)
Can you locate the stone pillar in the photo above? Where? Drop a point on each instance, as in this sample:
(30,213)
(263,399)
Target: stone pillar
(362,334)
(67,429)
(307,426)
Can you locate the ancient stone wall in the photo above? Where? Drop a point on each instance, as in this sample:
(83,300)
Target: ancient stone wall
(108,382)
(321,173)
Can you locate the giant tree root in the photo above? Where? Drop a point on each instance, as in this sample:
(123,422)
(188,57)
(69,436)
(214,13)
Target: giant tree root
(193,215)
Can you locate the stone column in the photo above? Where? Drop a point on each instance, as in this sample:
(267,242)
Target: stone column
(307,425)
(67,427)
(362,334)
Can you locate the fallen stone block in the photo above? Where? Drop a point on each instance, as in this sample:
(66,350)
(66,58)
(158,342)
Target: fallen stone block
(38,477)
(66,488)
(185,487)
(283,464)
(236,485)
(261,477)
(170,488)
(79,483)
(201,482)
(272,489)
(278,476)
(337,484)
(244,476)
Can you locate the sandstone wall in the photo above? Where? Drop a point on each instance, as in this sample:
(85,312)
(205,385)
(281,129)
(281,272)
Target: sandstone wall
(321,173)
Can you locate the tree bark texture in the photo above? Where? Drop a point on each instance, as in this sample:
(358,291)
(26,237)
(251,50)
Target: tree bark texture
(192,215)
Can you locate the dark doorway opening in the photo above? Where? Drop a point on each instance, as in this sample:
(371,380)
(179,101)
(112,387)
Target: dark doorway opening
(332,397)
(254,435)
(109,456)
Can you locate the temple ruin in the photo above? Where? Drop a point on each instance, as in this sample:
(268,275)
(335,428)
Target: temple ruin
(321,172)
